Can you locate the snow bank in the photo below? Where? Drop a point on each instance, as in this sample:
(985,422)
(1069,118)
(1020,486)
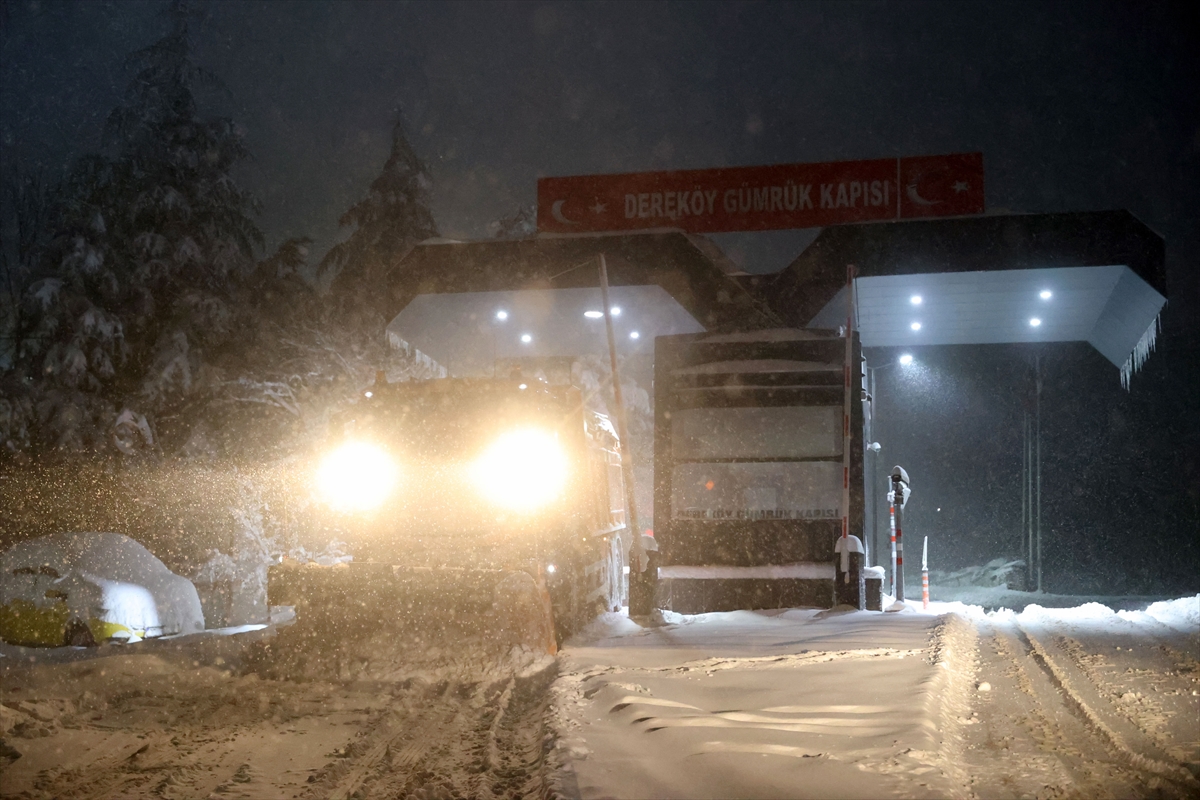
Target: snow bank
(100,577)
(1183,613)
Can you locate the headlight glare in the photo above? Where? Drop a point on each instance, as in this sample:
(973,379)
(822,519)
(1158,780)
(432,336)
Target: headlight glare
(522,470)
(357,477)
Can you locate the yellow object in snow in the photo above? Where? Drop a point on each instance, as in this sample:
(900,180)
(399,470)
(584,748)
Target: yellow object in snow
(25,624)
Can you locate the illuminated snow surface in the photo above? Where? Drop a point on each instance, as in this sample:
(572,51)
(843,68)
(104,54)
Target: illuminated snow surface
(1082,702)
(950,702)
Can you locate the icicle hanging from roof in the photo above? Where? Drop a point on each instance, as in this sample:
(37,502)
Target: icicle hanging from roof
(1141,351)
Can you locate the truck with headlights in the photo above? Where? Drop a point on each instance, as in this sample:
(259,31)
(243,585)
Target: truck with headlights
(478,509)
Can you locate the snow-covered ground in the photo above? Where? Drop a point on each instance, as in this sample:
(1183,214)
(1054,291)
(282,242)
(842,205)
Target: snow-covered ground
(951,702)
(956,701)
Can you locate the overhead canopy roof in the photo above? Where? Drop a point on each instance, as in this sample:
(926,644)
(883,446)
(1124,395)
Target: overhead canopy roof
(688,268)
(468,332)
(985,280)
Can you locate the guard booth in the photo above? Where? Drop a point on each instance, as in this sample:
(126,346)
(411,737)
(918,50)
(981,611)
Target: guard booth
(748,468)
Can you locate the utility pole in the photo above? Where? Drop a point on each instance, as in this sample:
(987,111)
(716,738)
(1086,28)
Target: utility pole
(1026,501)
(1037,362)
(873,472)
(637,560)
(846,438)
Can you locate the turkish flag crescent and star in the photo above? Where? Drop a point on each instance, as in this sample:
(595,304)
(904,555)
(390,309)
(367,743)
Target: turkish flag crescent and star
(764,198)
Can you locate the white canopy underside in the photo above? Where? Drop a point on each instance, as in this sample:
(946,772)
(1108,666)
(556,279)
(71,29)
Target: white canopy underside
(1110,307)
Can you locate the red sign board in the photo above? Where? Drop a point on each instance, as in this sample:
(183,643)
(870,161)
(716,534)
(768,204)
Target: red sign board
(764,198)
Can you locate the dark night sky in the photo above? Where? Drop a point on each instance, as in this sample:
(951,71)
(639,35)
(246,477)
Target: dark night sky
(1076,106)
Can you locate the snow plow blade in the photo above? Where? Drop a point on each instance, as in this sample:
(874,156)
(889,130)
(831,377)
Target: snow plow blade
(375,621)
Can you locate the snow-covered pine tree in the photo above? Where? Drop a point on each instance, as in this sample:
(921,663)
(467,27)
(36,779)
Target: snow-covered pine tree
(336,351)
(184,226)
(26,213)
(137,289)
(71,339)
(392,218)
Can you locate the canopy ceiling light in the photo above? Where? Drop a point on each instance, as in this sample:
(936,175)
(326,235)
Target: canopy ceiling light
(1102,272)
(1110,307)
(560,324)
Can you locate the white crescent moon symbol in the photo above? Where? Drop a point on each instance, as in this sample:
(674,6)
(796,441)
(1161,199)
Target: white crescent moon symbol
(556,212)
(916,198)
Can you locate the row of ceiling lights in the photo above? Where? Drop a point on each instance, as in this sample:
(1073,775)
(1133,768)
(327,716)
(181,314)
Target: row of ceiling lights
(1034,322)
(527,338)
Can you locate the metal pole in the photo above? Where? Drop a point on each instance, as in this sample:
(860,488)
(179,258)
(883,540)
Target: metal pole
(1025,542)
(1029,492)
(874,473)
(846,420)
(638,560)
(1038,455)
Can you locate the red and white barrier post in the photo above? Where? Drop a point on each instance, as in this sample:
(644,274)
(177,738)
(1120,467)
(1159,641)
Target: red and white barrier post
(925,575)
(900,494)
(892,538)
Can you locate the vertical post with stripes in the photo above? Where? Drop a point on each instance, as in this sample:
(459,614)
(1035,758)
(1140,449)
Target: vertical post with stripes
(898,512)
(846,421)
(925,574)
(892,536)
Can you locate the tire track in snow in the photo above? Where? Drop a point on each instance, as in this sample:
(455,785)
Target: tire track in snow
(461,738)
(1016,749)
(1084,698)
(522,739)
(1143,711)
(372,752)
(1064,732)
(1047,745)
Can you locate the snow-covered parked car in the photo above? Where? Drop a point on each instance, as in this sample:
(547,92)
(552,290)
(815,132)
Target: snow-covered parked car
(82,588)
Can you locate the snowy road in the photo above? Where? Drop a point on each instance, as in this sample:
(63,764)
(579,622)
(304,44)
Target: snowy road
(1078,702)
(157,725)
(1049,703)
(1089,703)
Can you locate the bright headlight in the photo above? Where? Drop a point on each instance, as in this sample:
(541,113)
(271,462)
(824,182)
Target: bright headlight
(356,477)
(522,470)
